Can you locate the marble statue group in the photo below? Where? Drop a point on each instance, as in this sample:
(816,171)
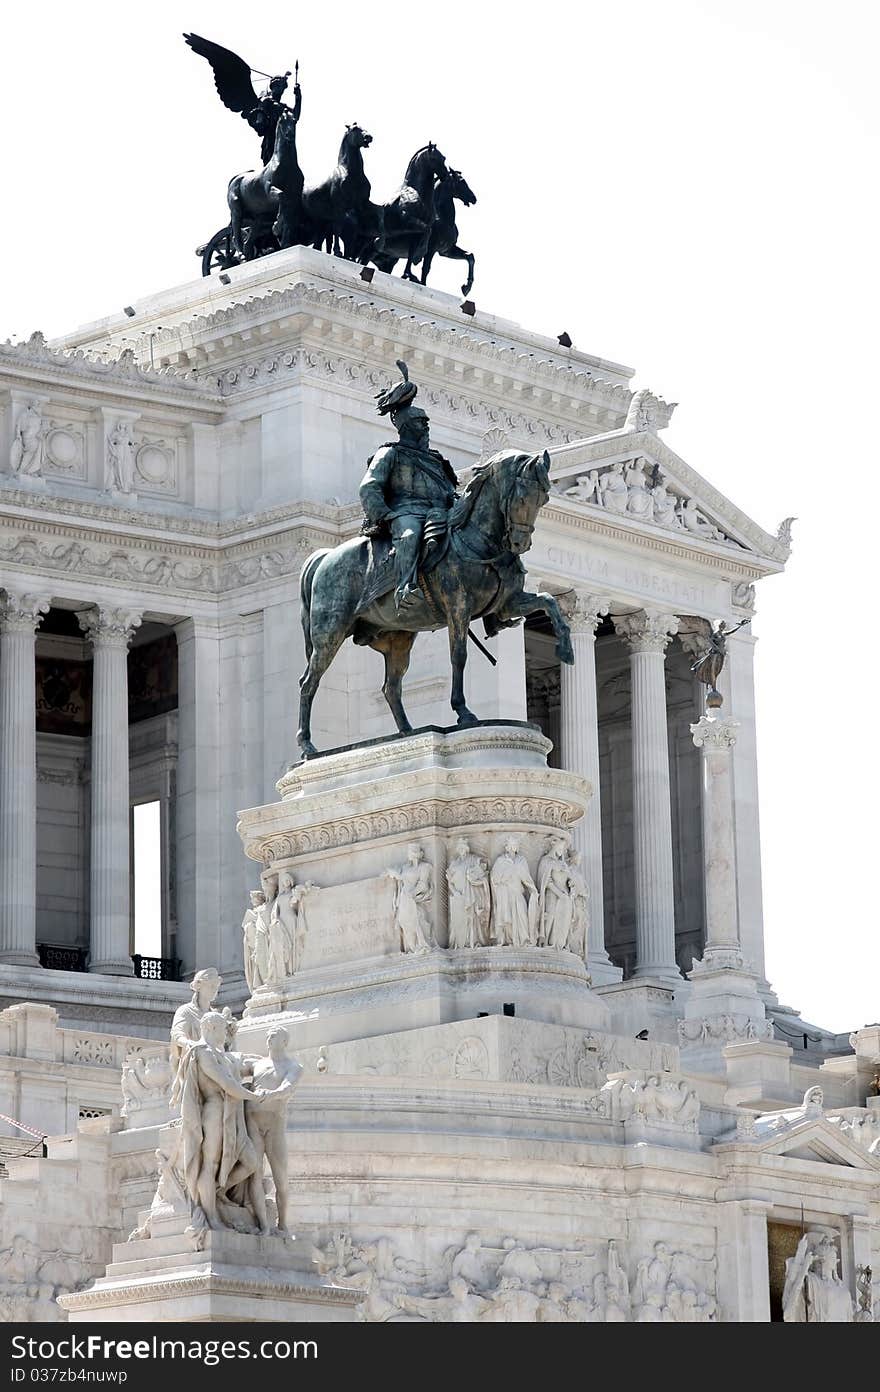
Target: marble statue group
(272,207)
(232,1125)
(497,905)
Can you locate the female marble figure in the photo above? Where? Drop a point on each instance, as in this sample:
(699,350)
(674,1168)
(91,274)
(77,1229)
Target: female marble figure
(255,932)
(585,487)
(614,492)
(26,454)
(469,898)
(216,1151)
(664,502)
(120,458)
(813,1292)
(287,923)
(514,899)
(187,1019)
(554,897)
(639,501)
(580,905)
(413,887)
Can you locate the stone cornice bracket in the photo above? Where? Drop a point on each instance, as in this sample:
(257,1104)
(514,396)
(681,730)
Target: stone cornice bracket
(647,630)
(712,732)
(21,613)
(109,627)
(583,610)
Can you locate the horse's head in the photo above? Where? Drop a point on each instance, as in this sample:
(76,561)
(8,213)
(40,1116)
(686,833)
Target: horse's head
(520,486)
(460,188)
(528,491)
(356,138)
(426,164)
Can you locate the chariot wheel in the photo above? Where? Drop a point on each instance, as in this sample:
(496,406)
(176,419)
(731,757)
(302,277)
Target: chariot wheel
(218,254)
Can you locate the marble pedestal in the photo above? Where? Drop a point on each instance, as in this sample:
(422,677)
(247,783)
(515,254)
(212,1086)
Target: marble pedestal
(233,1278)
(346,817)
(723,1007)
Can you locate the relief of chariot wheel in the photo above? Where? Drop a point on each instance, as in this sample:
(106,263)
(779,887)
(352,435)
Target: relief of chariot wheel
(218,254)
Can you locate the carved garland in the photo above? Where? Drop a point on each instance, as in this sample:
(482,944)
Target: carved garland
(539,814)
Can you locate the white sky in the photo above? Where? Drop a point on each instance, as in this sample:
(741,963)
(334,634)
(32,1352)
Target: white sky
(689,188)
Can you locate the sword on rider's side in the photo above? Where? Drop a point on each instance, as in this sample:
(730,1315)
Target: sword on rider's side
(485,651)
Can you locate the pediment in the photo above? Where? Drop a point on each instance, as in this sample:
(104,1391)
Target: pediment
(698,515)
(813,1139)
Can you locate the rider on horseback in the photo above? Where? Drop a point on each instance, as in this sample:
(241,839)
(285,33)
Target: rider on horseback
(406,484)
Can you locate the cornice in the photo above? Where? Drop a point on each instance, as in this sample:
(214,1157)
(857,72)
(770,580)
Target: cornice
(207,1283)
(729,561)
(123,372)
(407,328)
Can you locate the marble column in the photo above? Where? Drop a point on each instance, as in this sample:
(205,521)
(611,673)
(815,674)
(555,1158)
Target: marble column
(647,633)
(109,631)
(715,735)
(580,754)
(19,616)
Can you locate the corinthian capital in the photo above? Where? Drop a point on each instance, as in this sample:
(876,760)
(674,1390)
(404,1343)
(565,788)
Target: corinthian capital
(648,630)
(713,732)
(583,610)
(20,613)
(109,627)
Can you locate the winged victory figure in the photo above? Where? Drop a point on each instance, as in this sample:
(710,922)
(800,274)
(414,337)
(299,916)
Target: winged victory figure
(232,78)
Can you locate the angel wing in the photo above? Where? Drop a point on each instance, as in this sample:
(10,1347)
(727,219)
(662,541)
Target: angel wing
(232,76)
(693,626)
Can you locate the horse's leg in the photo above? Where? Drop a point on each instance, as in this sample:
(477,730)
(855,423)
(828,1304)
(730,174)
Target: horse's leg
(234,201)
(457,253)
(396,648)
(326,646)
(519,606)
(426,265)
(457,620)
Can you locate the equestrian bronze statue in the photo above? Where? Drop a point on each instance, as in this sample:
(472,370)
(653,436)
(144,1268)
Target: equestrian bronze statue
(429,557)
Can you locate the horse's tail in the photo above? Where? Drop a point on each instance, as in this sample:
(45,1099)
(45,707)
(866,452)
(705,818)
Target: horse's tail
(307,576)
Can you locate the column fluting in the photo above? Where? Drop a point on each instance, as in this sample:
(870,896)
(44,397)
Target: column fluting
(647,634)
(110,632)
(20,615)
(580,754)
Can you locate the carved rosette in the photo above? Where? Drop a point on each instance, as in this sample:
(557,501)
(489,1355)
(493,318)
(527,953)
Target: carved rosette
(109,628)
(711,732)
(583,611)
(647,630)
(21,613)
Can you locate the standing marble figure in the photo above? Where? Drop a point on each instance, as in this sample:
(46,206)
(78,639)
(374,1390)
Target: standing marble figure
(276,1076)
(554,890)
(413,887)
(514,899)
(255,945)
(469,898)
(186,1024)
(26,454)
(217,1152)
(813,1291)
(580,905)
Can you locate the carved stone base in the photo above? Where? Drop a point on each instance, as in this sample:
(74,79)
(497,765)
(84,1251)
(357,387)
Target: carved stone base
(724,1007)
(348,818)
(367,998)
(233,1277)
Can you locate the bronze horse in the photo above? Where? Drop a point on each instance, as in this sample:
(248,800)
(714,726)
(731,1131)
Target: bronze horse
(336,208)
(472,571)
(444,233)
(268,201)
(405,223)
